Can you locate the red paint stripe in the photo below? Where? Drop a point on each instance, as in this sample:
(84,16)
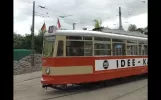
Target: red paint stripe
(80,61)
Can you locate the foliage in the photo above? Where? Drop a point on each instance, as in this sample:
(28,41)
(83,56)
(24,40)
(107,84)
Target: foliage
(24,42)
(39,42)
(140,30)
(98,23)
(143,30)
(17,39)
(132,27)
(98,29)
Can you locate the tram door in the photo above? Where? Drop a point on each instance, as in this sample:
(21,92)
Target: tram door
(59,47)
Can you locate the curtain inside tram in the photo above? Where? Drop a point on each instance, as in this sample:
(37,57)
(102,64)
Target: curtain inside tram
(48,49)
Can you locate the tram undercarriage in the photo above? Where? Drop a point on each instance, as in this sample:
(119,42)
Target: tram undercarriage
(66,86)
(58,87)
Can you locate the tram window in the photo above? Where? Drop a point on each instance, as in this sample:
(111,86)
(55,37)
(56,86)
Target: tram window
(132,49)
(140,50)
(102,52)
(146,49)
(87,43)
(60,48)
(102,49)
(102,46)
(117,41)
(87,38)
(118,48)
(143,48)
(88,48)
(135,42)
(48,48)
(87,51)
(75,48)
(101,39)
(73,37)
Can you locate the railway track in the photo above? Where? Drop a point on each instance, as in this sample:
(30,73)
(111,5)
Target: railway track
(81,89)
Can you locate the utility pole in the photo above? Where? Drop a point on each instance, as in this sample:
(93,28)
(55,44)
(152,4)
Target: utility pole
(32,32)
(74,26)
(120,21)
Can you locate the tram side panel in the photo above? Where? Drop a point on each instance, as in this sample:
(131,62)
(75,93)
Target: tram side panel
(75,70)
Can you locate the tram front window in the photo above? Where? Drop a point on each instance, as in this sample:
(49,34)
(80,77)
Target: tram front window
(48,48)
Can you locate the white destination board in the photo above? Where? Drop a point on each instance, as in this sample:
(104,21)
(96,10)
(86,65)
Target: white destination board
(108,64)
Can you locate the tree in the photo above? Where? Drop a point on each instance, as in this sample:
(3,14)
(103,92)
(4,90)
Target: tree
(17,41)
(39,41)
(146,30)
(24,42)
(98,23)
(143,30)
(132,27)
(27,41)
(140,30)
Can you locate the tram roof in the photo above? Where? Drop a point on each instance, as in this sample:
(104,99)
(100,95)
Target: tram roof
(123,32)
(96,34)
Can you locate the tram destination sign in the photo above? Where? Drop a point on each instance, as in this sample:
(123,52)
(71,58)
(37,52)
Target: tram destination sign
(52,29)
(50,38)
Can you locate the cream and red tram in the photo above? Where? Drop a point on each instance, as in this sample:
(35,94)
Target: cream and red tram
(79,56)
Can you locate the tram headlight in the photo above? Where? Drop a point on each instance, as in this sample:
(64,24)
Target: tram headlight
(47,70)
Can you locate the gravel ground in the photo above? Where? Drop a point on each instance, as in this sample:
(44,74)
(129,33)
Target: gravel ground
(24,65)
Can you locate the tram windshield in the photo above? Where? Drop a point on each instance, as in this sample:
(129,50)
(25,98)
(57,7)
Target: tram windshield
(48,46)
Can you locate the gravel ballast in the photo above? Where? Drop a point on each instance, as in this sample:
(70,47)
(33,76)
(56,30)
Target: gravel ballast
(24,65)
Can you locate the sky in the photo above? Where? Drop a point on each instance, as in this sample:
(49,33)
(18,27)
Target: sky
(82,12)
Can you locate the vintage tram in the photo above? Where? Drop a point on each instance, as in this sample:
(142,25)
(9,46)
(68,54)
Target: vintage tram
(82,56)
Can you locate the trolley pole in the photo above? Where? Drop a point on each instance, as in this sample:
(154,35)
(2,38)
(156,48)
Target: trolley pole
(32,32)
